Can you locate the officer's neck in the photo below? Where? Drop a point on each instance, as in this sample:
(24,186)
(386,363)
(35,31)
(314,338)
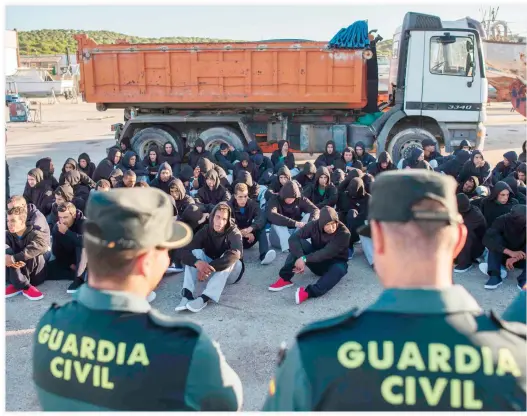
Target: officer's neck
(136,285)
(430,274)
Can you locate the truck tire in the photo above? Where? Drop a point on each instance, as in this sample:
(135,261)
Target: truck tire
(157,136)
(403,142)
(214,136)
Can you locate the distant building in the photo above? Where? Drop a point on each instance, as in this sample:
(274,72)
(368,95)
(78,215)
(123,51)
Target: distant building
(56,64)
(10,52)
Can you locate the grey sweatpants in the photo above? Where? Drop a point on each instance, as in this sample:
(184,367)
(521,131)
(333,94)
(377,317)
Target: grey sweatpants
(279,235)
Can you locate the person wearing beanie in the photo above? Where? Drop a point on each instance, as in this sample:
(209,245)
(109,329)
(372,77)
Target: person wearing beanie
(321,246)
(506,167)
(476,227)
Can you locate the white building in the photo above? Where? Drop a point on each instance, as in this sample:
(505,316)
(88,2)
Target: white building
(10,52)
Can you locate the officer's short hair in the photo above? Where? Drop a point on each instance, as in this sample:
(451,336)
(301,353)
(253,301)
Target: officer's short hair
(130,173)
(104,262)
(67,206)
(19,212)
(17,201)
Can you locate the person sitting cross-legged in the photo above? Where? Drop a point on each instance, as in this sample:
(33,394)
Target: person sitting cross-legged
(213,256)
(326,255)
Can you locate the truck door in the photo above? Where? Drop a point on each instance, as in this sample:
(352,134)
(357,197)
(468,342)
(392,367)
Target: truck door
(452,77)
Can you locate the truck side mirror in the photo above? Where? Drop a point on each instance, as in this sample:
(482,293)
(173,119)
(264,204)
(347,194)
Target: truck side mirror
(447,39)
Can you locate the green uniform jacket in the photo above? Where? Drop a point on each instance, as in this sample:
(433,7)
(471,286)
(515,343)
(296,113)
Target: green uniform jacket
(516,311)
(109,350)
(412,350)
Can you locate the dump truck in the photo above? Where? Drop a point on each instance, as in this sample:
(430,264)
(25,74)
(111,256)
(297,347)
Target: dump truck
(302,91)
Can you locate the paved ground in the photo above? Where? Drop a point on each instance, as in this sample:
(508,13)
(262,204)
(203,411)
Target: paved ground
(250,322)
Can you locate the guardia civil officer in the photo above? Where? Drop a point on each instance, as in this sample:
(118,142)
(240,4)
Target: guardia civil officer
(108,349)
(425,344)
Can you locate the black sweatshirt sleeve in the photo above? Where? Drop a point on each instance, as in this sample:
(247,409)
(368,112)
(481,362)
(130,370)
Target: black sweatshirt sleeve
(493,238)
(330,198)
(232,254)
(260,218)
(339,240)
(274,217)
(308,207)
(187,258)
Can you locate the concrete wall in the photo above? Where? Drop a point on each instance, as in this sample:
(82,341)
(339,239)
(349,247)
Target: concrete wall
(10,52)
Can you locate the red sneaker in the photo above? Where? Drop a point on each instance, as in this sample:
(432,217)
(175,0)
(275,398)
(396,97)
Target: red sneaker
(32,293)
(279,285)
(301,295)
(11,291)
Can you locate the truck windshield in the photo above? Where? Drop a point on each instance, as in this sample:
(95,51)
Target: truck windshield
(455,58)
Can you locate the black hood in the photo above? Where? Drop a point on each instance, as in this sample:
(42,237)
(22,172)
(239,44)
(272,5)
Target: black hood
(192,215)
(230,220)
(474,153)
(473,180)
(349,150)
(290,190)
(360,145)
(309,168)
(257,159)
(186,173)
(45,166)
(513,184)
(212,174)
(428,142)
(522,167)
(164,152)
(414,156)
(338,176)
(518,216)
(284,170)
(66,192)
(355,173)
(462,156)
(464,143)
(356,189)
(72,162)
(126,160)
(254,147)
(500,186)
(322,170)
(205,165)
(165,166)
(111,154)
(384,157)
(334,148)
(463,203)
(244,156)
(37,174)
(199,143)
(327,215)
(86,157)
(511,156)
(176,184)
(244,177)
(72,178)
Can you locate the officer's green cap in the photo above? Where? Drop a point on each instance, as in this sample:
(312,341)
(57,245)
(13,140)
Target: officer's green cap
(134,219)
(393,194)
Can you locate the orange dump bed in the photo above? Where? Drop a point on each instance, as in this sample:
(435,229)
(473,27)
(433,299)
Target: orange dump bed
(283,73)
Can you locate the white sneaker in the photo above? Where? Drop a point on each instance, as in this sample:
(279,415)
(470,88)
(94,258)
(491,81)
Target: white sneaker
(484,268)
(151,297)
(269,257)
(182,305)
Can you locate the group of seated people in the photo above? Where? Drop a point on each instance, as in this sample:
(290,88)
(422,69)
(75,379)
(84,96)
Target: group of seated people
(235,199)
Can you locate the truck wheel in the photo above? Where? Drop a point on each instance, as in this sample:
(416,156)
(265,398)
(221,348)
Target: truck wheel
(406,140)
(215,136)
(157,136)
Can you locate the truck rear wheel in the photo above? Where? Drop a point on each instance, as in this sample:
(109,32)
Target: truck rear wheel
(156,136)
(406,140)
(215,136)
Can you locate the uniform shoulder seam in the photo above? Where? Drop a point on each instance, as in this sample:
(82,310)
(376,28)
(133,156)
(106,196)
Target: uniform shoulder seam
(166,321)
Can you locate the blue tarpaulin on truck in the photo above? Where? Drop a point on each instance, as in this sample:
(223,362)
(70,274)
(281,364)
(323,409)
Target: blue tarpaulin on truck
(354,36)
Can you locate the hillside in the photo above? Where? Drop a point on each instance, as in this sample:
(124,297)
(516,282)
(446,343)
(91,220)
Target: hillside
(47,41)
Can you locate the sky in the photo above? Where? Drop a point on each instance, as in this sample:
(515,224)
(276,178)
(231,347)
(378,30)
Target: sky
(243,22)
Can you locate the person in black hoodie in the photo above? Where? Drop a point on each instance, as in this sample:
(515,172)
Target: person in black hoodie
(263,163)
(476,166)
(464,145)
(337,177)
(195,217)
(205,166)
(505,240)
(384,163)
(517,188)
(287,212)
(225,157)
(130,162)
(245,164)
(348,161)
(35,218)
(213,192)
(520,173)
(62,194)
(81,190)
(170,156)
(454,165)
(86,165)
(116,178)
(38,192)
(433,157)
(47,168)
(198,153)
(70,258)
(252,186)
(329,157)
(506,167)
(71,165)
(151,162)
(282,177)
(468,187)
(416,155)
(107,165)
(25,266)
(326,255)
(498,203)
(164,178)
(305,177)
(363,156)
(180,199)
(213,256)
(521,157)
(323,192)
(283,157)
(476,227)
(250,220)
(187,177)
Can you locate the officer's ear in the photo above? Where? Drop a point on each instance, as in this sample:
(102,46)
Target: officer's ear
(461,235)
(377,237)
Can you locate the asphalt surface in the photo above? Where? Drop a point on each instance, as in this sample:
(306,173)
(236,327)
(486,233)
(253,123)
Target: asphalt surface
(249,322)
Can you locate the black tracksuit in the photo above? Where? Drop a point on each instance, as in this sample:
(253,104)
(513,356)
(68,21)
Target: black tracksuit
(251,216)
(250,168)
(152,167)
(41,195)
(302,178)
(352,207)
(492,209)
(45,165)
(226,162)
(454,165)
(507,232)
(158,183)
(501,171)
(328,197)
(474,184)
(211,197)
(30,249)
(275,185)
(205,166)
(365,158)
(469,169)
(326,255)
(173,159)
(194,156)
(287,215)
(279,160)
(328,159)
(68,250)
(90,166)
(375,169)
(518,191)
(181,201)
(263,163)
(66,191)
(137,168)
(476,227)
(106,166)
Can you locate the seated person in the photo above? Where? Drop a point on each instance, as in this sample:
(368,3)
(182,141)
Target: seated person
(363,156)
(251,221)
(213,256)
(116,178)
(287,212)
(179,197)
(477,166)
(505,240)
(517,188)
(103,185)
(205,166)
(151,162)
(454,165)
(282,177)
(476,227)
(329,157)
(506,167)
(498,203)
(71,165)
(225,157)
(25,265)
(38,192)
(245,164)
(323,192)
(306,176)
(86,165)
(520,173)
(107,165)
(81,187)
(34,218)
(63,194)
(348,161)
(70,258)
(431,156)
(469,187)
(253,187)
(212,192)
(130,161)
(129,179)
(172,157)
(48,169)
(186,175)
(198,153)
(283,157)
(164,177)
(384,163)
(325,254)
